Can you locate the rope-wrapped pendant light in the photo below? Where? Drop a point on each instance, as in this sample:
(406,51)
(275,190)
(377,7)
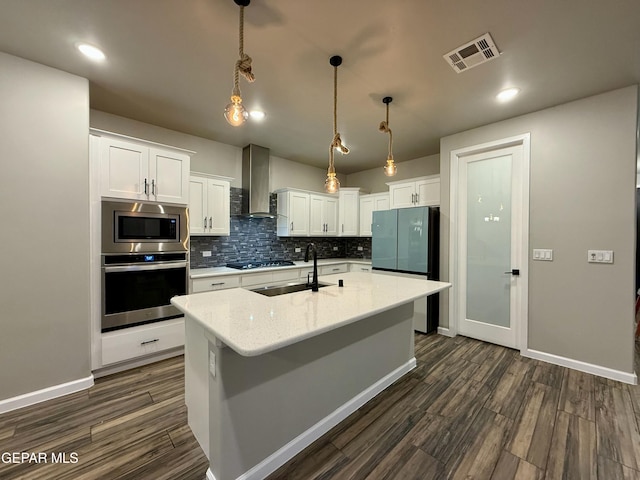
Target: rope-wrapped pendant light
(332,184)
(390,169)
(235,113)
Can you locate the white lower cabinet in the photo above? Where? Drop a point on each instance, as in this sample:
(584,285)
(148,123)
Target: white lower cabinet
(134,342)
(356,267)
(209,284)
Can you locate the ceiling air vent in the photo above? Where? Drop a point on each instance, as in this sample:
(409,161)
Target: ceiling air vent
(477,51)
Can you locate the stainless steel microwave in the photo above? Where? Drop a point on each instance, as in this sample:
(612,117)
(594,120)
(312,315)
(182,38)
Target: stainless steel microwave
(144,227)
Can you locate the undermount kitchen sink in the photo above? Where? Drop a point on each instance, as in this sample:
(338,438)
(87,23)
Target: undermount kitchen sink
(273,290)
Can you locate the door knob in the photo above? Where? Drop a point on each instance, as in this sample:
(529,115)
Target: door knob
(515,272)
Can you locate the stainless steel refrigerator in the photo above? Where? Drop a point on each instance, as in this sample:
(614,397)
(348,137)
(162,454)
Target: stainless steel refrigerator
(406,241)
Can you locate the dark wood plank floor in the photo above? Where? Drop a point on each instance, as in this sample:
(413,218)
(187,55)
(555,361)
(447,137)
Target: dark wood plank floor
(469,410)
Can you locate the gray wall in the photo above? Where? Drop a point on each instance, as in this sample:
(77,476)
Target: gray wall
(582,196)
(44,202)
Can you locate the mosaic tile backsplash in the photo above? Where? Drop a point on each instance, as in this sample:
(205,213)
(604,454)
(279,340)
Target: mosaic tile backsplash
(256,239)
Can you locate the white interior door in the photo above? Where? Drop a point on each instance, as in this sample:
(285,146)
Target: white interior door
(492,263)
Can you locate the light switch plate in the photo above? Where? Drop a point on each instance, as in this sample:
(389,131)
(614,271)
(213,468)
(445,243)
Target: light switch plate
(543,254)
(298,249)
(600,256)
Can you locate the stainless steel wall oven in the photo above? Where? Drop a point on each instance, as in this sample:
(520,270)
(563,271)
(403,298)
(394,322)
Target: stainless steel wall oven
(144,262)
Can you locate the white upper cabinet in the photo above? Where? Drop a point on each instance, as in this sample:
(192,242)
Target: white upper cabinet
(293,213)
(323,215)
(368,205)
(139,170)
(417,192)
(209,205)
(348,212)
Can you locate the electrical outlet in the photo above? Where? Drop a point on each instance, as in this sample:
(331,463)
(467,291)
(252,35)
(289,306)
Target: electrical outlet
(335,249)
(360,249)
(212,363)
(206,253)
(298,250)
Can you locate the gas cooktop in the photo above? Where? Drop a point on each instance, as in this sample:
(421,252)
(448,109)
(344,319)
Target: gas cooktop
(259,263)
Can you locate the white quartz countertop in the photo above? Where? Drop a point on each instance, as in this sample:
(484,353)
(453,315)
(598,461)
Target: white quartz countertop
(217,271)
(253,324)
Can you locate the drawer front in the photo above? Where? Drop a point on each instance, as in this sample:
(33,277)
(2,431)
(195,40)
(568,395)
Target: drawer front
(139,341)
(354,267)
(208,284)
(285,275)
(330,269)
(249,279)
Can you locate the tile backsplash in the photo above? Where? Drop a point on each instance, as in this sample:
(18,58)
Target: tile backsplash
(256,239)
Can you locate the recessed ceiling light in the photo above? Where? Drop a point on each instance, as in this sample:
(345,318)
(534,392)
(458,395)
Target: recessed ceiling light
(94,53)
(508,94)
(257,114)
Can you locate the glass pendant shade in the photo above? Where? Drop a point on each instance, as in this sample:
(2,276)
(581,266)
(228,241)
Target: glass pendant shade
(235,112)
(390,169)
(331,184)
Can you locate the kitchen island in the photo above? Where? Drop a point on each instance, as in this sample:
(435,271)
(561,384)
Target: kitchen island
(266,376)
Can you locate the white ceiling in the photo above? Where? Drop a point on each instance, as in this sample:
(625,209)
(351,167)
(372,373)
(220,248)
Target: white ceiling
(170,63)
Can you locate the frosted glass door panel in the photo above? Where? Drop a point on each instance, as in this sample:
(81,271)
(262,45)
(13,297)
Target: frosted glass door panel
(489,240)
(412,239)
(384,239)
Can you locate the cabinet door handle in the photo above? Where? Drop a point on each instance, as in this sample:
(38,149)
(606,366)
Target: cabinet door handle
(335,269)
(216,284)
(153,187)
(343,228)
(146,187)
(210,222)
(417,198)
(364,269)
(205,222)
(291,225)
(146,342)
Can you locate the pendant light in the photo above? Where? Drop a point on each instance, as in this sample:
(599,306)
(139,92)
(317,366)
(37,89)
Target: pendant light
(235,113)
(390,169)
(332,184)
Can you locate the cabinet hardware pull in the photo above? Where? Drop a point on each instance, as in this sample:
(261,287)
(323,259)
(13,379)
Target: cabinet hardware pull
(205,222)
(364,269)
(146,342)
(335,270)
(216,284)
(146,190)
(210,222)
(153,187)
(417,198)
(291,225)
(343,228)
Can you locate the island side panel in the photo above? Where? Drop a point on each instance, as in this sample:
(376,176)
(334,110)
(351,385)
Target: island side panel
(196,381)
(259,404)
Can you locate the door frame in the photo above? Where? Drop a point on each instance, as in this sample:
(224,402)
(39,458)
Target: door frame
(524,141)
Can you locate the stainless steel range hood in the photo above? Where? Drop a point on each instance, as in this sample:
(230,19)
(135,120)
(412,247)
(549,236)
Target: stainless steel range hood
(255,181)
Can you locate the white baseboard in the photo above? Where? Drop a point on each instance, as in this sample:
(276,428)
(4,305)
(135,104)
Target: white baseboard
(601,371)
(445,331)
(306,438)
(45,394)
